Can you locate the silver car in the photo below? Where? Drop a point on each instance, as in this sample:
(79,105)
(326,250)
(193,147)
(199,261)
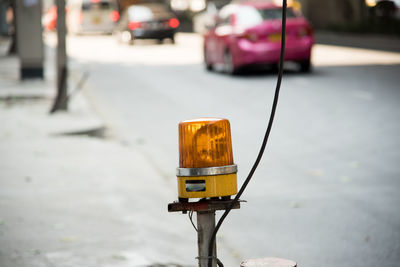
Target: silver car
(92,16)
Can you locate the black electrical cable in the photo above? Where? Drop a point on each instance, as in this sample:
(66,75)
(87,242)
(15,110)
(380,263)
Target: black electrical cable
(264,143)
(191,220)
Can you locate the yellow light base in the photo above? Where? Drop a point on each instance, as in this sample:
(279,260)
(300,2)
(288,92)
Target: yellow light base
(207,186)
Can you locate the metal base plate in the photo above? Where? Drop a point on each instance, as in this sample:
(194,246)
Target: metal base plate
(202,205)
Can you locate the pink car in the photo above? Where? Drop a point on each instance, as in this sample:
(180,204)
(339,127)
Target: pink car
(249,33)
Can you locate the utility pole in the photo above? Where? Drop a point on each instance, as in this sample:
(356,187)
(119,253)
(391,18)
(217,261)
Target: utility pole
(61,101)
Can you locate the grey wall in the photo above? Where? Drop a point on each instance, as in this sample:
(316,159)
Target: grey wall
(326,12)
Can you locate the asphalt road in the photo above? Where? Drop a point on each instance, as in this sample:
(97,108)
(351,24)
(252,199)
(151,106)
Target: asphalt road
(327,190)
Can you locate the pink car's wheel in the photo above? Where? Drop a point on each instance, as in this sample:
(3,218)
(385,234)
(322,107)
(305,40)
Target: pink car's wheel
(305,66)
(207,63)
(229,67)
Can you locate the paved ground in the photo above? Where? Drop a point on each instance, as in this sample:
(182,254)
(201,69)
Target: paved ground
(90,201)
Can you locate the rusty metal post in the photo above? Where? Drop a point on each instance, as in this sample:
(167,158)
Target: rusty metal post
(205,228)
(205,210)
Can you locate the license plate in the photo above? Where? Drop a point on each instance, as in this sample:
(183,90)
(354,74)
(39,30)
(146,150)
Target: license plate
(96,20)
(275,37)
(155,25)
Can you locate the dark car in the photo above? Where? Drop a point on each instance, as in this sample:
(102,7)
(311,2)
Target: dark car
(147,21)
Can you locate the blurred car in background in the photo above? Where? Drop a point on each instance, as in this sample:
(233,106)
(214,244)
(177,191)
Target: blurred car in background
(204,19)
(249,33)
(147,21)
(49,20)
(92,16)
(384,9)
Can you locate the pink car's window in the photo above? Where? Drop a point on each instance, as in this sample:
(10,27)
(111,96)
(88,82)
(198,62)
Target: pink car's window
(249,16)
(276,13)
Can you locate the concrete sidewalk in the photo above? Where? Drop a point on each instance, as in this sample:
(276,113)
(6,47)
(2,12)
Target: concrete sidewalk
(366,41)
(77,200)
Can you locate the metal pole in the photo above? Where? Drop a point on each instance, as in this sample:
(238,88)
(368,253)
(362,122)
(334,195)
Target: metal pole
(205,210)
(61,101)
(205,228)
